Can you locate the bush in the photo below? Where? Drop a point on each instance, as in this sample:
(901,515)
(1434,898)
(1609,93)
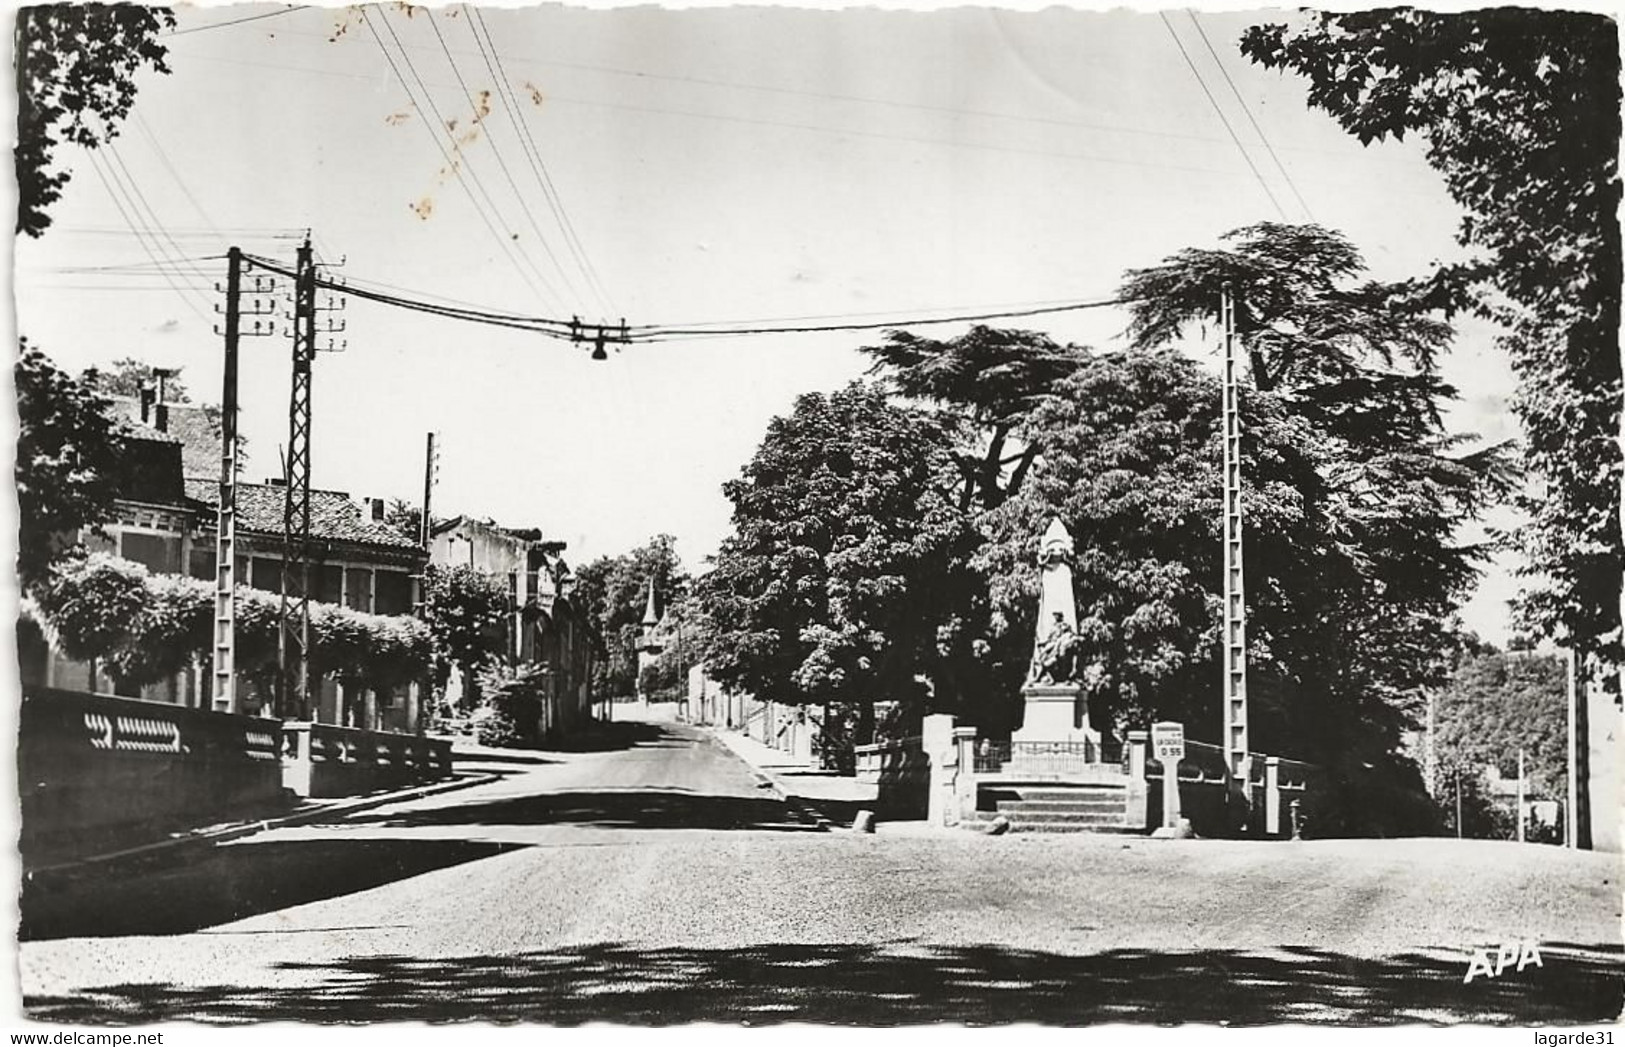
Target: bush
(513,700)
(147,627)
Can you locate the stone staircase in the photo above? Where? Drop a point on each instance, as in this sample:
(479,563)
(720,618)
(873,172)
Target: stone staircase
(1054,807)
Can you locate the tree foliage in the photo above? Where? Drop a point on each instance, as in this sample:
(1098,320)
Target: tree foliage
(988,377)
(1520,109)
(466,612)
(1353,491)
(67,461)
(127,376)
(1496,704)
(144,628)
(841,580)
(613,591)
(76,80)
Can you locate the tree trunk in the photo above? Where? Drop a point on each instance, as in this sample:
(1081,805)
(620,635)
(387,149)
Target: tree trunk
(866,724)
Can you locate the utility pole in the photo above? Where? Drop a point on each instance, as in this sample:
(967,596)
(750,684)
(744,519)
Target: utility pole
(1578,816)
(1520,796)
(1235,599)
(223,687)
(1458,803)
(293,643)
(431,473)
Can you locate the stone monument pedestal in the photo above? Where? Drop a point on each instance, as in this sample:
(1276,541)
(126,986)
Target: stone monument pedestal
(1055,713)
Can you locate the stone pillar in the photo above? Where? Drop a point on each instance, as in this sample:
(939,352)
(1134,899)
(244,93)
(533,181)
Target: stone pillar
(964,805)
(1055,713)
(1272,796)
(942,757)
(1138,796)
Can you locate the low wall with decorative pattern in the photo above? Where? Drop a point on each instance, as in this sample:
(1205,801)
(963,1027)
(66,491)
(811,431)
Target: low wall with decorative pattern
(96,771)
(321,759)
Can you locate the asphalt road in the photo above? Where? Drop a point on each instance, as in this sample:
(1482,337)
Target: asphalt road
(655,881)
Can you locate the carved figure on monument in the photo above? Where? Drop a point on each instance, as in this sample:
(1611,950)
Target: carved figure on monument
(1056,654)
(1055,649)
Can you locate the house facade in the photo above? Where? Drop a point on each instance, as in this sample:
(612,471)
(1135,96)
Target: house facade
(545,626)
(167,520)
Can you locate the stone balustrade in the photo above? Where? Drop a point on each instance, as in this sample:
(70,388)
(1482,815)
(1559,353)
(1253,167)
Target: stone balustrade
(97,771)
(321,760)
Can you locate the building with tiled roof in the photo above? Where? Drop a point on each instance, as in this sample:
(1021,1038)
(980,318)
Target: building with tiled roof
(167,518)
(545,625)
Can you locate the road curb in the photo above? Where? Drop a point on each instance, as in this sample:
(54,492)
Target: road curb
(237,831)
(798,808)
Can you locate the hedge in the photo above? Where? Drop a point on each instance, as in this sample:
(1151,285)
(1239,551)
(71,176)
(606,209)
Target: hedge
(145,627)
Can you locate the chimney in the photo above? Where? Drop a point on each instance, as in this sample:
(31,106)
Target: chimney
(146,395)
(377,509)
(161,417)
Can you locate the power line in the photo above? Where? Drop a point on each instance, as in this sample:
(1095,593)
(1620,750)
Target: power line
(1246,109)
(496,151)
(156,223)
(236,21)
(455,166)
(538,167)
(152,140)
(662,333)
(141,239)
(648,333)
(1214,102)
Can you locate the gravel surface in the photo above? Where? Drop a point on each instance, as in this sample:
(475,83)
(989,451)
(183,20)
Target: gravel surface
(654,880)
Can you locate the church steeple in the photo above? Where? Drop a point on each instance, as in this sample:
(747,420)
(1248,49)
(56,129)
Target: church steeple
(650,617)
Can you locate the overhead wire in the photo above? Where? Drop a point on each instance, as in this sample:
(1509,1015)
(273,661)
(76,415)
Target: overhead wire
(539,166)
(1214,102)
(235,21)
(455,166)
(107,183)
(502,163)
(647,333)
(154,222)
(1247,110)
(163,157)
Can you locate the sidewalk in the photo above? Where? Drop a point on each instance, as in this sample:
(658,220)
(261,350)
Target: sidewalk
(825,796)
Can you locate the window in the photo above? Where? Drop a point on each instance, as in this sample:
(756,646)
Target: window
(394,592)
(329,584)
(358,588)
(200,564)
(267,574)
(155,552)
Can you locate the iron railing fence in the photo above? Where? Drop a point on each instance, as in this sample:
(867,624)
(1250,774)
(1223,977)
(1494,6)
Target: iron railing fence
(1046,757)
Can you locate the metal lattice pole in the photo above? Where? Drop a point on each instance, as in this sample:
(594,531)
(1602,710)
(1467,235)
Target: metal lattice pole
(293,648)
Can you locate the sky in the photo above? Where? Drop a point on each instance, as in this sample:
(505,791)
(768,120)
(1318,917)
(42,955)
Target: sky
(678,166)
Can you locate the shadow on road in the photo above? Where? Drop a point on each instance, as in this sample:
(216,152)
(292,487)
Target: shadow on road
(607,809)
(888,984)
(616,735)
(232,882)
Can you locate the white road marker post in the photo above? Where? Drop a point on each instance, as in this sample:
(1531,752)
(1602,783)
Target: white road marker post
(1168,746)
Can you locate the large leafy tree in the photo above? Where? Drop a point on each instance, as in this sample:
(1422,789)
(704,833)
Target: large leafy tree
(76,73)
(841,579)
(466,612)
(989,378)
(1498,703)
(614,593)
(1520,110)
(67,461)
(1352,364)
